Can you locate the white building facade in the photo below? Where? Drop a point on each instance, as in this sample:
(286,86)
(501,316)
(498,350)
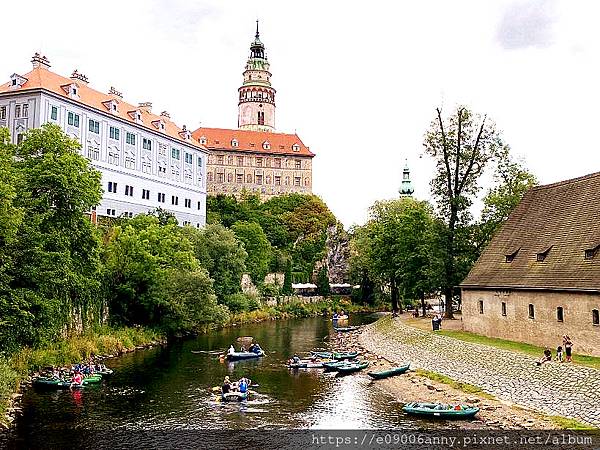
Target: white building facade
(146,161)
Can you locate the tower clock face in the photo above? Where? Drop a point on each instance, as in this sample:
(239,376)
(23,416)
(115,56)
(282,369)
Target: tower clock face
(260,106)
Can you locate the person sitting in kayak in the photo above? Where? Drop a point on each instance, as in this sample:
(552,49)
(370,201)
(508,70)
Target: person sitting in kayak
(77,379)
(243,386)
(296,358)
(256,349)
(231,350)
(252,348)
(226,386)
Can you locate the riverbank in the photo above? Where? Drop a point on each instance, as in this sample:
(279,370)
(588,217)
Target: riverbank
(18,371)
(377,344)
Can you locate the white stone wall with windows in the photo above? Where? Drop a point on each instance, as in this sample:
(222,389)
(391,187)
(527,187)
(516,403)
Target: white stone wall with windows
(150,169)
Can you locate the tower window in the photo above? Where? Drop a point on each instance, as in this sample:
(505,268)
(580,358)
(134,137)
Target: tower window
(559,314)
(261,117)
(504,308)
(480,306)
(531,311)
(595,317)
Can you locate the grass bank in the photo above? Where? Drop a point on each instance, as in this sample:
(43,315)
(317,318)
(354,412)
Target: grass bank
(464,387)
(102,341)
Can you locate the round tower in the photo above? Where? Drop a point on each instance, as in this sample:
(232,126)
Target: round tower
(406,189)
(256,107)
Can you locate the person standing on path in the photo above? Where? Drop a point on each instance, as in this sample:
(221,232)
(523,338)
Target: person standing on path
(567,344)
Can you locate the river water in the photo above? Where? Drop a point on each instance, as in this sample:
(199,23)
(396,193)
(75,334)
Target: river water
(169,388)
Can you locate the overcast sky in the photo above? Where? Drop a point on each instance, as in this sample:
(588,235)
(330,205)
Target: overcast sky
(358,81)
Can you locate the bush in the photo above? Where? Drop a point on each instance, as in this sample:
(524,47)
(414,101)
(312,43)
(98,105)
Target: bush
(236,302)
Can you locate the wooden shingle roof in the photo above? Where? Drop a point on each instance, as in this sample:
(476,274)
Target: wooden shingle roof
(562,219)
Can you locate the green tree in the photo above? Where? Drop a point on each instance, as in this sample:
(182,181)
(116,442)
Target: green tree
(323,287)
(257,247)
(222,254)
(287,280)
(462,147)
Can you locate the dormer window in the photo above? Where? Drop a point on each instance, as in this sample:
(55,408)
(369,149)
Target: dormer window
(17,81)
(511,256)
(160,124)
(136,115)
(296,147)
(112,106)
(591,253)
(542,255)
(234,143)
(72,90)
(266,145)
(202,140)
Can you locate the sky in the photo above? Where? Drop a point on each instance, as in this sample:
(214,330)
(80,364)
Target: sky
(358,81)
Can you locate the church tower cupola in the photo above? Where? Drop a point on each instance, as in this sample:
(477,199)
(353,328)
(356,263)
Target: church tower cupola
(406,189)
(256,107)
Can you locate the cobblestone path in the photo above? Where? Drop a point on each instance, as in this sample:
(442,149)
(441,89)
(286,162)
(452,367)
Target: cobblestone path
(554,388)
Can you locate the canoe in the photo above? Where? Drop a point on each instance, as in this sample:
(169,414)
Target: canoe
(238,356)
(234,396)
(352,367)
(389,373)
(345,329)
(346,355)
(440,411)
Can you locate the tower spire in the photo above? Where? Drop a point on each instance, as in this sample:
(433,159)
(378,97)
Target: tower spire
(406,189)
(257,33)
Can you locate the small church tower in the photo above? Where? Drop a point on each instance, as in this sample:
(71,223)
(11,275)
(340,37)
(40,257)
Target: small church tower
(256,107)
(406,189)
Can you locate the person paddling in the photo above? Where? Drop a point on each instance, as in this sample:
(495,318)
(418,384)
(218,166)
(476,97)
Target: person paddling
(226,387)
(77,379)
(243,386)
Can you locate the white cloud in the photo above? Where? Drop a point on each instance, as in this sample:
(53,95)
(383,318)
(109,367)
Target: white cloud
(358,81)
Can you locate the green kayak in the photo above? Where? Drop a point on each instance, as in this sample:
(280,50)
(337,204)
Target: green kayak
(234,396)
(389,373)
(54,383)
(352,367)
(347,355)
(324,355)
(441,411)
(331,366)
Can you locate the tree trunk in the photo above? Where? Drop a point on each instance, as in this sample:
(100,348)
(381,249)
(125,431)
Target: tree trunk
(423,304)
(449,263)
(394,295)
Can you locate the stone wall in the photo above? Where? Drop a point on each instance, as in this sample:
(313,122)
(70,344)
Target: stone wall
(285,299)
(544,328)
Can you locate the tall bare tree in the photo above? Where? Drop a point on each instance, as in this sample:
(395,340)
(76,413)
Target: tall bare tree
(462,146)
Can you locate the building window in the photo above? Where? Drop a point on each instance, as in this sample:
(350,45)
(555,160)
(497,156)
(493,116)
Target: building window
(296,181)
(17,111)
(595,317)
(202,140)
(73,119)
(199,204)
(220,159)
(130,138)
(162,171)
(93,153)
(480,306)
(230,160)
(287,181)
(531,311)
(25,110)
(129,190)
(590,253)
(189,159)
(261,118)
(542,255)
(306,182)
(240,160)
(188,203)
(234,143)
(113,157)
(110,212)
(559,314)
(296,147)
(259,161)
(146,166)
(504,308)
(175,153)
(161,197)
(53,113)
(174,200)
(112,187)
(259,179)
(268,179)
(248,178)
(146,144)
(277,179)
(298,164)
(3,113)
(20,138)
(266,145)
(512,256)
(229,177)
(94,126)
(199,161)
(145,194)
(113,133)
(277,163)
(209,177)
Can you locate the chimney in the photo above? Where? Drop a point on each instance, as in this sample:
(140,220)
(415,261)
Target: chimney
(165,115)
(79,76)
(146,106)
(113,91)
(40,61)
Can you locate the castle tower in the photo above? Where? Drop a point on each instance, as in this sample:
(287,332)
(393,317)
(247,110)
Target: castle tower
(406,189)
(256,107)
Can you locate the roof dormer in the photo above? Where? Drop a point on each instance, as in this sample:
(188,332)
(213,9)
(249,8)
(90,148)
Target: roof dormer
(17,81)
(266,145)
(235,143)
(185,133)
(296,147)
(202,140)
(159,124)
(72,90)
(136,115)
(112,105)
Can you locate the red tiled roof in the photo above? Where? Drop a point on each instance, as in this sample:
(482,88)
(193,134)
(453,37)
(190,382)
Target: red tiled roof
(558,221)
(42,78)
(252,141)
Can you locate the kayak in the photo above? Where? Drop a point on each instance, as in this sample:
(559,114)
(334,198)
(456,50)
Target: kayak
(237,356)
(234,396)
(345,329)
(307,364)
(440,411)
(352,367)
(325,355)
(346,355)
(334,365)
(53,383)
(390,372)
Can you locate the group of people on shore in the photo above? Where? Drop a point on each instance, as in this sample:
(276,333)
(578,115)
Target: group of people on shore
(567,346)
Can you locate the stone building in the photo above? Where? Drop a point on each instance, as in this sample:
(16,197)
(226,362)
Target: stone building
(255,158)
(146,160)
(539,278)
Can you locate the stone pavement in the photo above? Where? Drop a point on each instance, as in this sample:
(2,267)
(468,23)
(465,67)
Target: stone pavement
(554,388)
